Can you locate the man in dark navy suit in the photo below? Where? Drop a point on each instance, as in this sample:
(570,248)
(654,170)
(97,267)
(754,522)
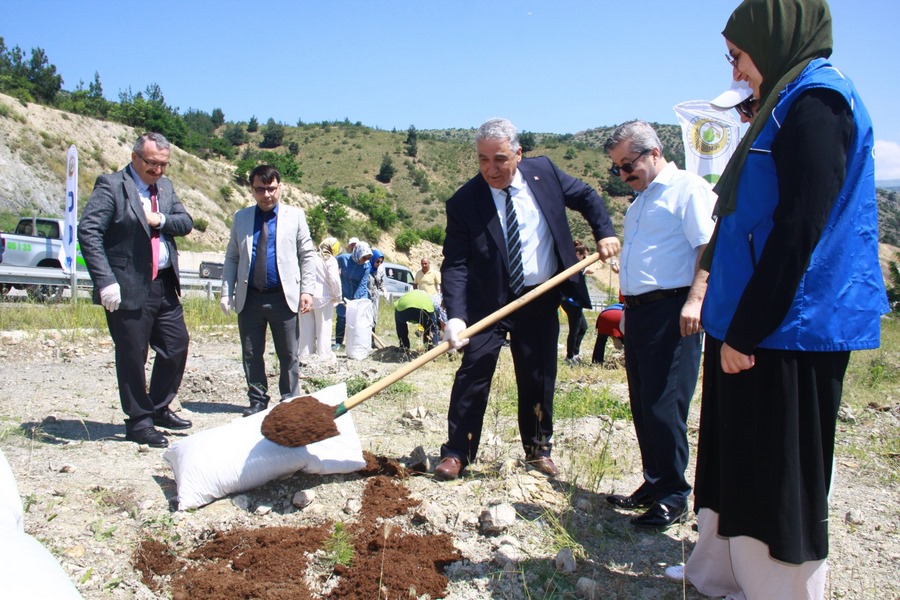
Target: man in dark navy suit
(507,233)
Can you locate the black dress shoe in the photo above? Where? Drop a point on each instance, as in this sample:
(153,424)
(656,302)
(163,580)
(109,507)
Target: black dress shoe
(147,436)
(635,500)
(661,516)
(169,420)
(255,407)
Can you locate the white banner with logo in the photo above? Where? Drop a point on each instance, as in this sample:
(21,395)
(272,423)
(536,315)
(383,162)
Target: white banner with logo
(710,137)
(67,253)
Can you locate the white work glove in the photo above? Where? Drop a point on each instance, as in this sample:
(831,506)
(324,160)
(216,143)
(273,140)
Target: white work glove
(225,305)
(111,297)
(451,333)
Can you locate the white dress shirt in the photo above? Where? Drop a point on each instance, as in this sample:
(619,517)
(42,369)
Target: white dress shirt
(538,259)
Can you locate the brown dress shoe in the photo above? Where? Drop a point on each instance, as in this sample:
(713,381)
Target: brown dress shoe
(448,468)
(544,465)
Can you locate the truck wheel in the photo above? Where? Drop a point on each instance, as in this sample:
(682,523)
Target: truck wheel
(46,293)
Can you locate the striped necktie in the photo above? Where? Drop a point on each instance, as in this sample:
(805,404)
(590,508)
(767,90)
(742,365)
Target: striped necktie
(513,246)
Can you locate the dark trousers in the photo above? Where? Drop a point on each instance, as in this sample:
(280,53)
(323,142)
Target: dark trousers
(599,354)
(577,328)
(269,311)
(533,335)
(662,369)
(421,317)
(159,324)
(340,323)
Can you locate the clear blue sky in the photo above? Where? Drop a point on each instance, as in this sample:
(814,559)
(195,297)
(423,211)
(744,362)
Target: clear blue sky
(549,65)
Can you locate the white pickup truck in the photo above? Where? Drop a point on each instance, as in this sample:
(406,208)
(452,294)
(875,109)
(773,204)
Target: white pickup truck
(36,242)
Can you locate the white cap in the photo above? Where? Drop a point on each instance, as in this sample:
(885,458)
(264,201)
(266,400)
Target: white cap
(353,240)
(737,93)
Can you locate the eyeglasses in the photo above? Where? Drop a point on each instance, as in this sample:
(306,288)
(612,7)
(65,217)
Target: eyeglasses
(152,163)
(731,60)
(629,166)
(262,190)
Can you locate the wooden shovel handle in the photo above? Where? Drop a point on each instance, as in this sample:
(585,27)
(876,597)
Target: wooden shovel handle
(469,331)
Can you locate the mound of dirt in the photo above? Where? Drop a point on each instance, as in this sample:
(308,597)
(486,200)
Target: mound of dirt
(274,562)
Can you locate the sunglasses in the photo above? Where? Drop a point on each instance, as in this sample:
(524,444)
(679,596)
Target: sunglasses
(263,190)
(745,108)
(629,166)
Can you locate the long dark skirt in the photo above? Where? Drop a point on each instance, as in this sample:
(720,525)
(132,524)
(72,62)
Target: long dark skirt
(764,459)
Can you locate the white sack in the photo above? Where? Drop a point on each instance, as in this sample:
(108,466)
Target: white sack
(10,501)
(235,457)
(28,570)
(358,334)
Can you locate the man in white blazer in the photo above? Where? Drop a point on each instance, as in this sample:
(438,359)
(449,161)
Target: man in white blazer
(268,278)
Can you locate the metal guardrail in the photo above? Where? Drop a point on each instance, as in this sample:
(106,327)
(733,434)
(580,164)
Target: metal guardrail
(33,276)
(190,283)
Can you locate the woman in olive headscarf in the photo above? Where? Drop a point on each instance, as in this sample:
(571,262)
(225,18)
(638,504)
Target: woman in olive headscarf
(794,286)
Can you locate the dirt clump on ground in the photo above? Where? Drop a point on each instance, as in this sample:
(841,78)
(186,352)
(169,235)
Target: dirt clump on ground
(271,562)
(300,422)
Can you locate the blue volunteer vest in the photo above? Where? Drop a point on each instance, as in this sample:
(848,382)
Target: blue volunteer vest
(841,296)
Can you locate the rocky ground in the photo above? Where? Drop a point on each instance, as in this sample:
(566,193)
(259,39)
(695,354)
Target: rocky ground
(93,499)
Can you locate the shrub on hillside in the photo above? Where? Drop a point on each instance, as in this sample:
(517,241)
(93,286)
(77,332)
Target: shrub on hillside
(387,170)
(434,234)
(407,239)
(273,134)
(235,135)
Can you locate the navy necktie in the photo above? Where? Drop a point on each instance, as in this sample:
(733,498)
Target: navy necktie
(513,246)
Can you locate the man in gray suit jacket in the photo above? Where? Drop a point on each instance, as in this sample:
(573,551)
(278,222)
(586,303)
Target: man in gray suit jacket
(268,287)
(127,238)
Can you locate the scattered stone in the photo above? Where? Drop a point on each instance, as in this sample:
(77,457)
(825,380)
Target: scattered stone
(76,551)
(303,498)
(419,412)
(419,461)
(241,502)
(431,513)
(584,504)
(845,415)
(854,517)
(587,588)
(509,467)
(498,518)
(143,448)
(508,557)
(67,469)
(353,506)
(565,561)
(263,509)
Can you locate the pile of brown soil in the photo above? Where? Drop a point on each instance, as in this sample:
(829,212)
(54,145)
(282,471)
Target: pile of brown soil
(271,562)
(300,422)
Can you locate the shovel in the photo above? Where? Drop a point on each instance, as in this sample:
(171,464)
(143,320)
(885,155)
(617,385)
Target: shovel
(314,431)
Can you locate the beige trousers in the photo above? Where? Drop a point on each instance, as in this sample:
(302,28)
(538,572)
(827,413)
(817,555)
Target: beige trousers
(740,568)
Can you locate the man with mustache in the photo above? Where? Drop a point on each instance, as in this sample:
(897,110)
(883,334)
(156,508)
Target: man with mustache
(666,229)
